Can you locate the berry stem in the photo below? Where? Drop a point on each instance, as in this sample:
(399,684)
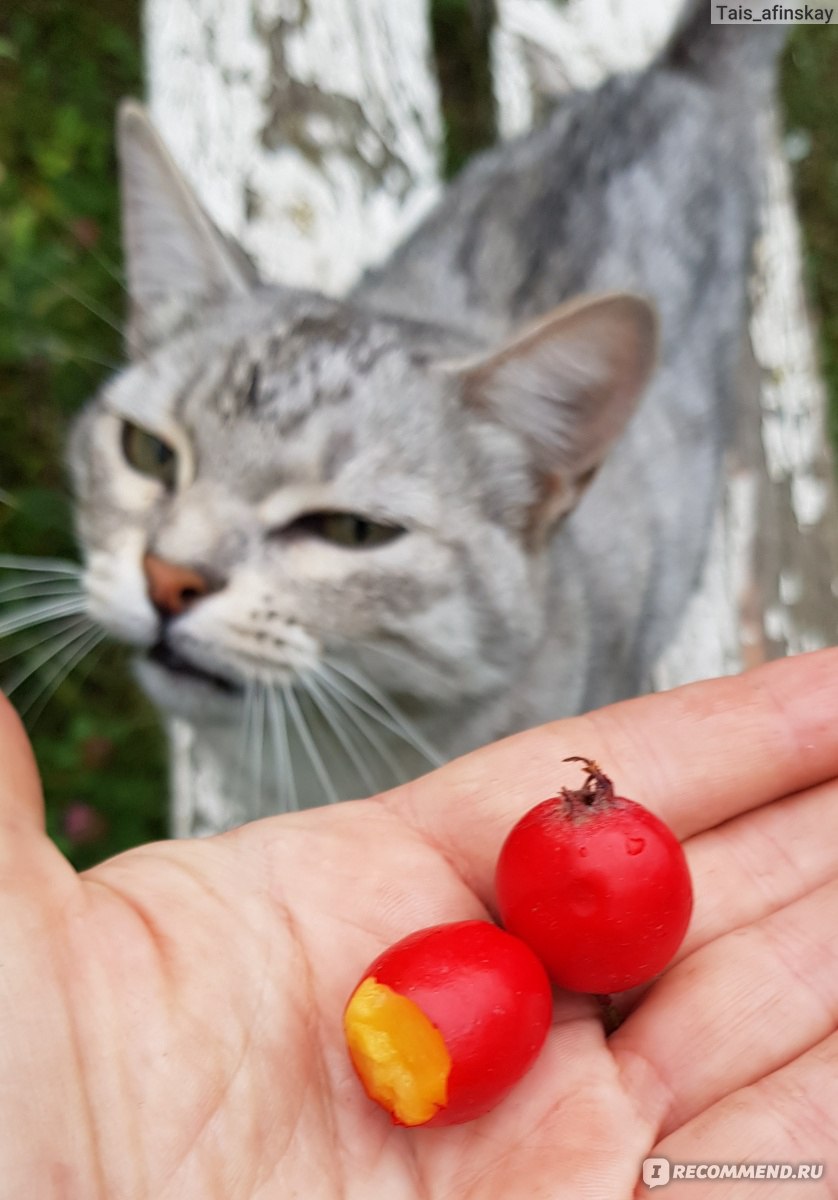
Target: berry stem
(596,788)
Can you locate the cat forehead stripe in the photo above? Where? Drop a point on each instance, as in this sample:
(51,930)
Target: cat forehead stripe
(288,375)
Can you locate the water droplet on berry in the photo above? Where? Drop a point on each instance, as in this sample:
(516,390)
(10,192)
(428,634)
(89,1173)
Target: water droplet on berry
(634,845)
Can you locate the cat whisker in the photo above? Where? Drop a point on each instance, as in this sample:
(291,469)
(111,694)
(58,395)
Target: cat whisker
(110,268)
(82,645)
(390,716)
(57,641)
(46,566)
(258,743)
(277,714)
(275,737)
(244,730)
(87,302)
(250,732)
(60,351)
(318,690)
(87,659)
(315,757)
(355,714)
(415,665)
(39,588)
(53,351)
(65,646)
(292,776)
(21,646)
(37,614)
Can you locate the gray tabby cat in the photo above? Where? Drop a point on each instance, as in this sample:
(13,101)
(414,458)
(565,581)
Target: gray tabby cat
(472,496)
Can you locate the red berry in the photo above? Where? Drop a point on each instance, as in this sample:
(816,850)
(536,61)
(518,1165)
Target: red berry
(597,885)
(446,1021)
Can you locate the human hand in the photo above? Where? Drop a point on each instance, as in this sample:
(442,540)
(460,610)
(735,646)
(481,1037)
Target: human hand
(171,1020)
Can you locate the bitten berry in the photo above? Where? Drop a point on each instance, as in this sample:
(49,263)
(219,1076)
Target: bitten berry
(446,1021)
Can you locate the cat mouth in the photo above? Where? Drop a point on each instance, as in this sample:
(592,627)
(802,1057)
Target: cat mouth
(163,655)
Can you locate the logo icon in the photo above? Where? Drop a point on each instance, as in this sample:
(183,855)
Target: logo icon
(655,1172)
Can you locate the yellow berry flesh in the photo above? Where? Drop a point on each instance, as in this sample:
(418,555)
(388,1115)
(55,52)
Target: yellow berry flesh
(399,1055)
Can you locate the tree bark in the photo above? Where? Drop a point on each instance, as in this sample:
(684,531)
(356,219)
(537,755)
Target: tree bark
(311,130)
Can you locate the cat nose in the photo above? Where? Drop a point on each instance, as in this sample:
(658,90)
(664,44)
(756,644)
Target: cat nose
(173,588)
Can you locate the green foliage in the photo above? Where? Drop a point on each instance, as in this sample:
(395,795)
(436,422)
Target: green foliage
(63,66)
(810,91)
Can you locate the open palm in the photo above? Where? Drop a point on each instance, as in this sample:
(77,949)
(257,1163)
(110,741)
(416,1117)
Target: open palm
(172,1019)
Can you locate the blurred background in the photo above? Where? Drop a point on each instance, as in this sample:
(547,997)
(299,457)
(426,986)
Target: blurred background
(63,67)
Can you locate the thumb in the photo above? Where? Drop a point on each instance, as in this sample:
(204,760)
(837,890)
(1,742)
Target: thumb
(21,799)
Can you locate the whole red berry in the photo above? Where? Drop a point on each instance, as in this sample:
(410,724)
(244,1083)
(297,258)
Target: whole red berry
(597,885)
(446,1021)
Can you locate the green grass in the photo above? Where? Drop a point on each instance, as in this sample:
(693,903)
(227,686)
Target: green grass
(63,66)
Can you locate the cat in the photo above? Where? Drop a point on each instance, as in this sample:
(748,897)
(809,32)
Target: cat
(469,497)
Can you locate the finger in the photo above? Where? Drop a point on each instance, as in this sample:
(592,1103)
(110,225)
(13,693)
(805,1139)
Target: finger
(754,865)
(697,756)
(788,1117)
(734,1011)
(761,862)
(21,800)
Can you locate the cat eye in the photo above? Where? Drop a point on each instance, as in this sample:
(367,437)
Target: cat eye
(346,529)
(149,454)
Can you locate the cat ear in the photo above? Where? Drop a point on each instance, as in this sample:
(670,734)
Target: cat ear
(176,259)
(568,386)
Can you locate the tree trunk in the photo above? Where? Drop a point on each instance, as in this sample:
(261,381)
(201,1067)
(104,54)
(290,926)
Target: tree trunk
(311,130)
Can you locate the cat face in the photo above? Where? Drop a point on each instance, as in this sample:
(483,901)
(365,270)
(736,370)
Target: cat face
(318,480)
(282,486)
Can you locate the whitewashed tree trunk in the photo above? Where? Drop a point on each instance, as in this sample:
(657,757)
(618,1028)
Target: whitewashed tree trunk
(311,130)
